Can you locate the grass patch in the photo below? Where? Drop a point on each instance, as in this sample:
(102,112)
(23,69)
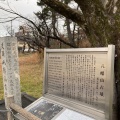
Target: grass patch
(31,74)
(1,88)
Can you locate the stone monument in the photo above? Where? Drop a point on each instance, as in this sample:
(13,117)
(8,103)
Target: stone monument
(10,69)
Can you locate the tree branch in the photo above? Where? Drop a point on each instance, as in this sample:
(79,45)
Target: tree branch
(110,6)
(5,21)
(65,10)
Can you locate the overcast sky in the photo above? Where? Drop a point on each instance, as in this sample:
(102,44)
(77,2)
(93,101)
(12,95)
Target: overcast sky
(24,7)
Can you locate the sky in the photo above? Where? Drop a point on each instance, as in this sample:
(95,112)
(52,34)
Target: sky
(24,7)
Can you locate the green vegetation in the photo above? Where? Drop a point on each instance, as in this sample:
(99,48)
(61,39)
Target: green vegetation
(1,86)
(31,75)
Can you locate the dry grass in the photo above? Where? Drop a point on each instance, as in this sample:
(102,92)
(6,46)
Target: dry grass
(31,74)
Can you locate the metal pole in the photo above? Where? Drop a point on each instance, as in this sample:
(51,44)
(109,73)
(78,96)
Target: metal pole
(11,29)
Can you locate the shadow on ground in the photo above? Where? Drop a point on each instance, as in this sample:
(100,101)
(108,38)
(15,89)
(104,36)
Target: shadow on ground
(26,100)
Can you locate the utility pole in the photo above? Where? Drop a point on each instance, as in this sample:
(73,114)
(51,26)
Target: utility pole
(11,29)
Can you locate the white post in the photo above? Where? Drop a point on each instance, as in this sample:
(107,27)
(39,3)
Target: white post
(10,68)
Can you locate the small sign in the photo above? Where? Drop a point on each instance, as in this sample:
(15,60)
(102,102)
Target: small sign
(46,110)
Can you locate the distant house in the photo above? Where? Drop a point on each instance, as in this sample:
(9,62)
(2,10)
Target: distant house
(23,36)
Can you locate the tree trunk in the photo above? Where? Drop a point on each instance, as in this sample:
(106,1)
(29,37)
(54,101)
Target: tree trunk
(53,21)
(65,10)
(70,37)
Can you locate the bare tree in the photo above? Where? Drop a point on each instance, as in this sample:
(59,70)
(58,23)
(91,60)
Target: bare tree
(42,32)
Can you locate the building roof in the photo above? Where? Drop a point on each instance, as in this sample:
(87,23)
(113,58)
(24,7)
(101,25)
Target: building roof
(26,100)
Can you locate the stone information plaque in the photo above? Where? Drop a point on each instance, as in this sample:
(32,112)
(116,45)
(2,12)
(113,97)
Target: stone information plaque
(78,76)
(10,68)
